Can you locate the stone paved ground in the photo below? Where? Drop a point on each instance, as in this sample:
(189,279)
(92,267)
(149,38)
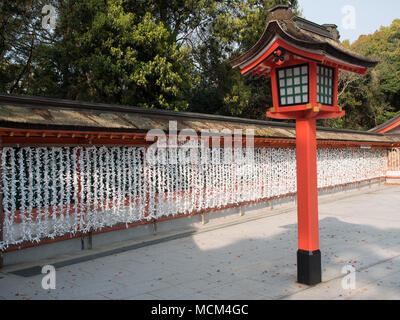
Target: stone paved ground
(252,260)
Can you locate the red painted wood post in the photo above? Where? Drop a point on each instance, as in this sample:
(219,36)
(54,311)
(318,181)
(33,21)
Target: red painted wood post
(313,84)
(274,84)
(335,86)
(308,255)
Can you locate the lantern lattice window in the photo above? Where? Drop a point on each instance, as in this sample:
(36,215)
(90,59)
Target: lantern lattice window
(325,85)
(293,85)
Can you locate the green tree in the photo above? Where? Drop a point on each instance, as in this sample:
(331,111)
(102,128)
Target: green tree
(21,34)
(234,27)
(104,53)
(151,53)
(373,99)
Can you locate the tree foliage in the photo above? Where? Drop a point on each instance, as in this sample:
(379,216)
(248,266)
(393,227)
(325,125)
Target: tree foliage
(171,55)
(103,52)
(151,53)
(20,36)
(375,98)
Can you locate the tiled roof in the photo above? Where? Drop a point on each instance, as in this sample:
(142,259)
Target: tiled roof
(56,114)
(387,124)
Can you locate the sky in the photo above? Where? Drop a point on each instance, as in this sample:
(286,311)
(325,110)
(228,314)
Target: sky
(353,17)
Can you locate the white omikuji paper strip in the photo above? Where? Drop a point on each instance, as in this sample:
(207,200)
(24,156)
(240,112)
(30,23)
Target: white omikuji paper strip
(58,190)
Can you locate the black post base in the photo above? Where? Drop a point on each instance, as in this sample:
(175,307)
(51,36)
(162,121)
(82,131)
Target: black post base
(309,267)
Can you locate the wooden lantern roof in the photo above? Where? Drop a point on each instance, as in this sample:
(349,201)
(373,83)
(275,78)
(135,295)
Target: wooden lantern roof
(299,39)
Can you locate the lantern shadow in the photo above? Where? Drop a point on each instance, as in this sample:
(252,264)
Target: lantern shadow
(250,261)
(265,267)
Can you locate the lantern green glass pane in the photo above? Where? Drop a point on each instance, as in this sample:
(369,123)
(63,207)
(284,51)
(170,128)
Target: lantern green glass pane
(325,85)
(293,85)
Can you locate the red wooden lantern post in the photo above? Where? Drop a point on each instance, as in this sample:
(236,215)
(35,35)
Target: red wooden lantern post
(303,60)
